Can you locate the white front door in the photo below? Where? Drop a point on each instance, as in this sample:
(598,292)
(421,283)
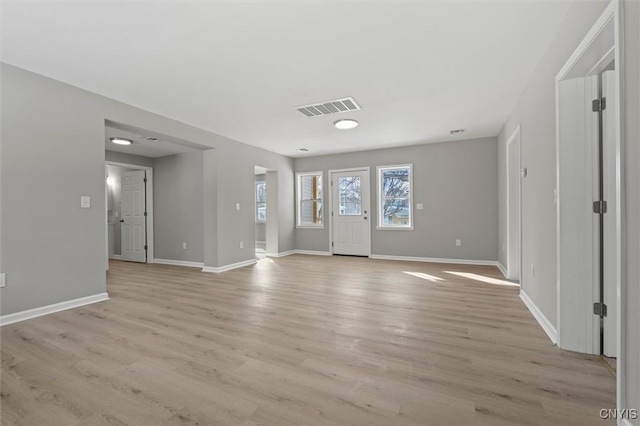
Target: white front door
(133,229)
(351,213)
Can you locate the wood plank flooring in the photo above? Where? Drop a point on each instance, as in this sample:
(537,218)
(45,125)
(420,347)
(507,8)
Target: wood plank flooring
(298,340)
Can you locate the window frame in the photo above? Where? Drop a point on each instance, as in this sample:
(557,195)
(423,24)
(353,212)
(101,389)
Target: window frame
(299,200)
(380,201)
(257,182)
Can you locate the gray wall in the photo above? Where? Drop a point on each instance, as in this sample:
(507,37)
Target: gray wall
(535,112)
(53,150)
(121,157)
(178,207)
(631,159)
(456,182)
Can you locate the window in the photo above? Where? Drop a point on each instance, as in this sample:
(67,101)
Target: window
(261,201)
(394,197)
(309,208)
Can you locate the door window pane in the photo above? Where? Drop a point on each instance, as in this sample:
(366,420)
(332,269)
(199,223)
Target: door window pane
(350,196)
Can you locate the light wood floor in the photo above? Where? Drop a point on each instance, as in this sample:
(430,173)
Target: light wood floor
(298,340)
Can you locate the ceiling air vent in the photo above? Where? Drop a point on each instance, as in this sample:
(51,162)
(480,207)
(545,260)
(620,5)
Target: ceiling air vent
(329,107)
(456,131)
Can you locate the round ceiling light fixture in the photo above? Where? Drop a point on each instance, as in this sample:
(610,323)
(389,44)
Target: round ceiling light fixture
(346,124)
(121,141)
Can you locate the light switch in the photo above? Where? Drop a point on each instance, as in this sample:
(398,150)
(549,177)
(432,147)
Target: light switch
(419,206)
(85,202)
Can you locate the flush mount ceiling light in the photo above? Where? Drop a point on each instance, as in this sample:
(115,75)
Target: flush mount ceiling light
(346,124)
(121,141)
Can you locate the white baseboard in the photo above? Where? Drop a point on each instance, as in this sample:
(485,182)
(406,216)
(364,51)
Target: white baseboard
(539,316)
(313,252)
(218,269)
(179,263)
(281,254)
(503,270)
(116,257)
(435,260)
(50,309)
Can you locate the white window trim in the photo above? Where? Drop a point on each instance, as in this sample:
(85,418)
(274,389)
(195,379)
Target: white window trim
(298,200)
(380,226)
(256,200)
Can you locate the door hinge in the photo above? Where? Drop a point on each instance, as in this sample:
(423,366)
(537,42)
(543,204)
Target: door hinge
(145,214)
(146,247)
(599,105)
(600,309)
(331,243)
(599,207)
(331,214)
(145,180)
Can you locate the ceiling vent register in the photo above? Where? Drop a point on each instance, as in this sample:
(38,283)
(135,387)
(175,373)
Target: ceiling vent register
(329,107)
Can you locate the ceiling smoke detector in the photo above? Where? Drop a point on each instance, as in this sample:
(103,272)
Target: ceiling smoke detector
(456,131)
(335,106)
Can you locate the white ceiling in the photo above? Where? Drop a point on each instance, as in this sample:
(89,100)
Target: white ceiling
(417,68)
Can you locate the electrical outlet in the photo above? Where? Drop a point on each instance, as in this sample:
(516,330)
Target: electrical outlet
(85,202)
(241,244)
(184,246)
(458,243)
(237,206)
(3,280)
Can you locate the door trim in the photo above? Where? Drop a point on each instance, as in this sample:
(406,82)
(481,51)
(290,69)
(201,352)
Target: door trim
(366,169)
(514,138)
(149,197)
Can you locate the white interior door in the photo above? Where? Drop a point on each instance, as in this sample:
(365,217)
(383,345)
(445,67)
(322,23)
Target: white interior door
(133,219)
(513,207)
(610,232)
(351,213)
(578,265)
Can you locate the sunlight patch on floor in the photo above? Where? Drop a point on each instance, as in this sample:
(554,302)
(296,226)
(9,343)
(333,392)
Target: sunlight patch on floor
(424,276)
(483,279)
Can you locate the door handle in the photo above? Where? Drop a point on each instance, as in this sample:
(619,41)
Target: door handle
(121,220)
(365,218)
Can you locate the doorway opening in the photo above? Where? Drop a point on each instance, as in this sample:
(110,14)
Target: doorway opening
(130,212)
(350,207)
(266,212)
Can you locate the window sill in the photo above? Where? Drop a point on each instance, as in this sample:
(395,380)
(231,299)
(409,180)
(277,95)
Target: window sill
(309,226)
(394,228)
